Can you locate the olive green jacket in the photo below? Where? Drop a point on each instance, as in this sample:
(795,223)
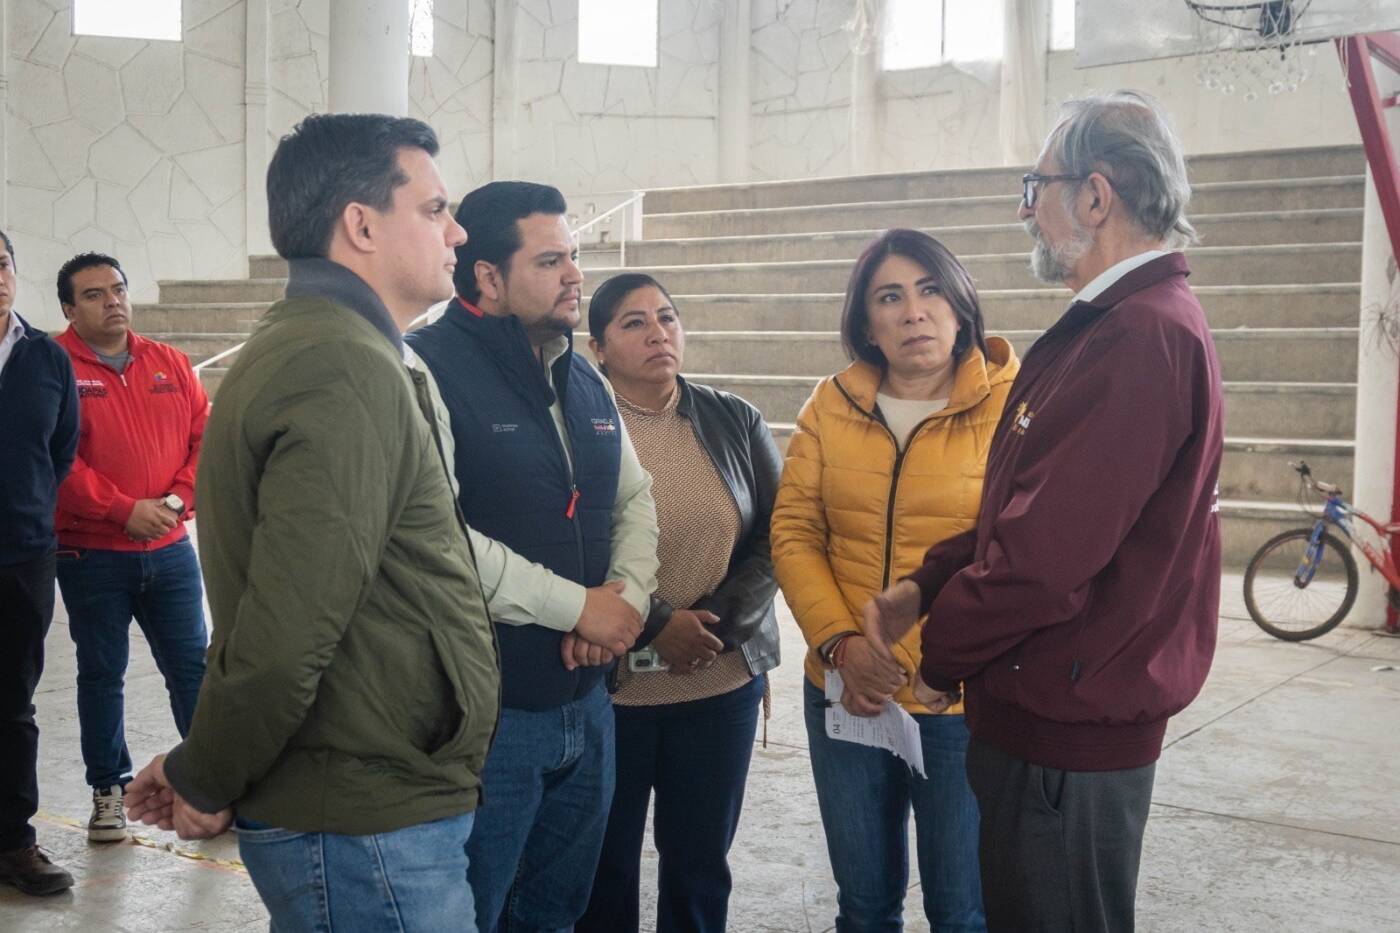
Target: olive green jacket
(353,684)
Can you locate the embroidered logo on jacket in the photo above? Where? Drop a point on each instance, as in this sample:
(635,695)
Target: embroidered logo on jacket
(161,383)
(604,427)
(92,388)
(504,428)
(1022,421)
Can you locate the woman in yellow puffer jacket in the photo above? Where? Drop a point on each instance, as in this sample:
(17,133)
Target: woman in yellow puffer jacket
(887,459)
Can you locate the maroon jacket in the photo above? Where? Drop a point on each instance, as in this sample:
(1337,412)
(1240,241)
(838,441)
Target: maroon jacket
(1081,613)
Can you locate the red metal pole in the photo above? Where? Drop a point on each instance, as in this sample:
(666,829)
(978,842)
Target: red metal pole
(1356,52)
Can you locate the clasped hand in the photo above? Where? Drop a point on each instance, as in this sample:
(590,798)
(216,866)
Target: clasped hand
(870,671)
(150,799)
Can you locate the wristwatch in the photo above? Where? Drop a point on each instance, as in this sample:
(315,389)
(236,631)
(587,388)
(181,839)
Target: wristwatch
(174,503)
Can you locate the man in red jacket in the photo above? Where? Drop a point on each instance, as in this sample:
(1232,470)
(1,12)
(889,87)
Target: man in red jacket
(1081,612)
(122,547)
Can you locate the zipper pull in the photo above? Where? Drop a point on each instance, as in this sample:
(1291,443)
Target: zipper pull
(573,503)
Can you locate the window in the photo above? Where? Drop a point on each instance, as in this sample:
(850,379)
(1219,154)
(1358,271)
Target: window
(1061,25)
(618,32)
(924,33)
(127,19)
(420,27)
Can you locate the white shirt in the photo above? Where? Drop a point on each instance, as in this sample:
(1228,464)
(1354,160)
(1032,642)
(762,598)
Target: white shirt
(13,335)
(1112,274)
(903,415)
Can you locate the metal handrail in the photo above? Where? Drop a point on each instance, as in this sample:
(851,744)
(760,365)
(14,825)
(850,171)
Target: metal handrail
(436,310)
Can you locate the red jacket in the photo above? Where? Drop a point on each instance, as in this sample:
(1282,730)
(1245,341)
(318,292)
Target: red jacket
(140,438)
(1081,613)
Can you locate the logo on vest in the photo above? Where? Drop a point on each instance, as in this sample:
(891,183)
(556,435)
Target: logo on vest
(1022,421)
(604,427)
(92,388)
(504,428)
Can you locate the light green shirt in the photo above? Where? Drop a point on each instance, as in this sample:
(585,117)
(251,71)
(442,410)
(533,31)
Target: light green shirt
(521,592)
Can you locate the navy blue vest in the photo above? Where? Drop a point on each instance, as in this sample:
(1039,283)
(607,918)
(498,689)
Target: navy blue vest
(516,483)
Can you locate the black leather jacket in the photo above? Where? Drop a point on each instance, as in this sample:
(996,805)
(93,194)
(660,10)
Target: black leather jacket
(734,435)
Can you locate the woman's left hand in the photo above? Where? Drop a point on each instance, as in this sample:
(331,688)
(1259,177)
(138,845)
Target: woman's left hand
(686,643)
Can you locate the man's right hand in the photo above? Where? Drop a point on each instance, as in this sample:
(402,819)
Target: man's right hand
(150,520)
(607,620)
(870,677)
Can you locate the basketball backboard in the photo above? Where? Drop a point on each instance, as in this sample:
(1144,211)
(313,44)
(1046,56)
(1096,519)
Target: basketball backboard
(1114,31)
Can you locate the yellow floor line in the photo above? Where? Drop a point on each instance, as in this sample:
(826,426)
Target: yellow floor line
(67,823)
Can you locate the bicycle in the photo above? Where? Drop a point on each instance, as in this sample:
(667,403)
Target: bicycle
(1302,583)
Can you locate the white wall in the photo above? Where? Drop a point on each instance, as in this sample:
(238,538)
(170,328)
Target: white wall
(129,147)
(137,148)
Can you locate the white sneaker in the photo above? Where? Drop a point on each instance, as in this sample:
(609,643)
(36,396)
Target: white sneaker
(108,823)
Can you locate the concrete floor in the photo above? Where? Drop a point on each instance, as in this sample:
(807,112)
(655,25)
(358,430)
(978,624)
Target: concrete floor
(1277,806)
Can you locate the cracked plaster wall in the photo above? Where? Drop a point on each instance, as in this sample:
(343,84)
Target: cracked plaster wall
(593,128)
(130,147)
(947,117)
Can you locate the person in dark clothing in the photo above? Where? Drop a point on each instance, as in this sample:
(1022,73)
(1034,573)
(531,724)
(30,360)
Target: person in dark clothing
(1081,611)
(687,696)
(564,532)
(39,425)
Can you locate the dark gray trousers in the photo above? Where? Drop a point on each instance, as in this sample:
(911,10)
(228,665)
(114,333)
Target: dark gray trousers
(1059,849)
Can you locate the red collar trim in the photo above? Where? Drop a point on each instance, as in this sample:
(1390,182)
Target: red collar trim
(477,312)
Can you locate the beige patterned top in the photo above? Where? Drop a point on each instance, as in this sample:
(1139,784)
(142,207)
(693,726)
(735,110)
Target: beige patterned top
(699,528)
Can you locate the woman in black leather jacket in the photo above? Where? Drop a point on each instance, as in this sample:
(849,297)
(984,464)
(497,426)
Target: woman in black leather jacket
(688,695)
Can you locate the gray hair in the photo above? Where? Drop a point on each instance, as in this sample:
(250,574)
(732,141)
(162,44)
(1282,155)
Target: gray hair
(1127,137)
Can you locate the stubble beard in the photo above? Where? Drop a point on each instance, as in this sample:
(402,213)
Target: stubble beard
(1055,264)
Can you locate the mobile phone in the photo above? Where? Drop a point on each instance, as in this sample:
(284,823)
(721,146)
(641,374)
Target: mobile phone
(646,661)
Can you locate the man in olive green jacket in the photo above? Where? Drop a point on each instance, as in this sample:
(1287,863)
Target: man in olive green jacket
(353,687)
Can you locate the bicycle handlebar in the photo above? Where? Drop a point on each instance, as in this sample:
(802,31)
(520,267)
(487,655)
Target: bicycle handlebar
(1304,471)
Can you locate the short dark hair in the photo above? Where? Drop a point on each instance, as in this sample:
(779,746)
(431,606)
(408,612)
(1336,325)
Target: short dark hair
(489,215)
(328,161)
(9,248)
(939,261)
(77,264)
(607,299)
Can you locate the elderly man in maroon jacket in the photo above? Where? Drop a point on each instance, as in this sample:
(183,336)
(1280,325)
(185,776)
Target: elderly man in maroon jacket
(1080,613)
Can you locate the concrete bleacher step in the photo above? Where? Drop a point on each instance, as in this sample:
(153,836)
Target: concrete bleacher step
(1229,197)
(1226,306)
(1201,169)
(1317,411)
(1258,355)
(1210,265)
(1328,225)
(226,318)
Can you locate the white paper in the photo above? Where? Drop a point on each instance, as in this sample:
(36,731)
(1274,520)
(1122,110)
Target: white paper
(894,730)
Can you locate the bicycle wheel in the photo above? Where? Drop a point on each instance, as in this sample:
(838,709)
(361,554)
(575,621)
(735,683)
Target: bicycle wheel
(1297,606)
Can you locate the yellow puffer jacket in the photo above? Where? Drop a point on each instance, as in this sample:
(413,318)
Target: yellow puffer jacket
(853,515)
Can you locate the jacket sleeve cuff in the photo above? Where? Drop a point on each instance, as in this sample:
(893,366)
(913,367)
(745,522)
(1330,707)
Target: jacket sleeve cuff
(121,508)
(657,619)
(938,681)
(177,773)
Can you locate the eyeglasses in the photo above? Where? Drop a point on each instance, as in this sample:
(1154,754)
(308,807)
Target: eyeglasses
(1031,182)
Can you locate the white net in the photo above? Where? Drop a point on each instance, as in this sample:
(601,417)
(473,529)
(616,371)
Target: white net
(1260,48)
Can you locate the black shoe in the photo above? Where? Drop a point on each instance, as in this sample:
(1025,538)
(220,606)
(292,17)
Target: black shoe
(31,871)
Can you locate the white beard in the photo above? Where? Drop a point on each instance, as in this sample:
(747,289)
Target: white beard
(1056,263)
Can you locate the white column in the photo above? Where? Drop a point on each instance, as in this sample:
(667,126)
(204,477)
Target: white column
(255,131)
(503,91)
(866,105)
(1377,377)
(369,56)
(1022,108)
(735,31)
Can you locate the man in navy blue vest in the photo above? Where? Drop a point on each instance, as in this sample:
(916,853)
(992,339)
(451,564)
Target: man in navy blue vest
(38,441)
(565,543)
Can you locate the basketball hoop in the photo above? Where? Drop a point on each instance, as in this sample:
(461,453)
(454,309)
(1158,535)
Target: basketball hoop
(1257,45)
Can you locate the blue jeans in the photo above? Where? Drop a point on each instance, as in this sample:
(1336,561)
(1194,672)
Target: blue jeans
(103,591)
(547,787)
(411,879)
(696,757)
(865,795)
